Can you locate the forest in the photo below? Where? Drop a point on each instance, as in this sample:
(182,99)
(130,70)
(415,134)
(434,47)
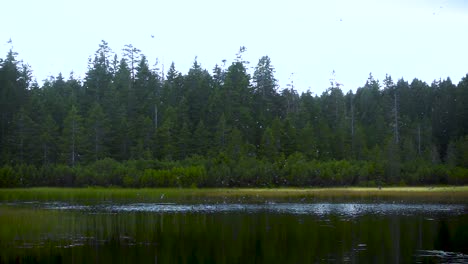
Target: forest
(130,124)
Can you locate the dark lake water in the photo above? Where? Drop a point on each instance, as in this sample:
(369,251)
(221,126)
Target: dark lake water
(58,232)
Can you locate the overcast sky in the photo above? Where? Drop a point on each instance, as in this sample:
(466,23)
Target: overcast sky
(423,39)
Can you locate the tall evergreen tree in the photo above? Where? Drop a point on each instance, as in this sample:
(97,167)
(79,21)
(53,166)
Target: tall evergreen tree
(48,138)
(99,75)
(96,126)
(221,135)
(23,137)
(72,140)
(201,139)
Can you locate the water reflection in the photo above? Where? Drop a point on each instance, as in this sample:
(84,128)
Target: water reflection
(318,209)
(233,233)
(440,256)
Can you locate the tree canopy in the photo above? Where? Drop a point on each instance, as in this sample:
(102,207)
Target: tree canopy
(224,128)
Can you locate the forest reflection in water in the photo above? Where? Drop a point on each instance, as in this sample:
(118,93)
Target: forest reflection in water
(233,233)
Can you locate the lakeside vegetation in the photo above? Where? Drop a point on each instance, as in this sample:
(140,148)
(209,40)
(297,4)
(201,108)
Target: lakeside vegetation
(130,125)
(294,171)
(450,194)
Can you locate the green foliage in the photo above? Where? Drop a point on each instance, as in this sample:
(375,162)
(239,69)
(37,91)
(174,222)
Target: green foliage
(221,171)
(175,177)
(8,177)
(72,141)
(127,124)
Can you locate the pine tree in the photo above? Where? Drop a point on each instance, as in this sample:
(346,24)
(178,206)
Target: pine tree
(235,147)
(201,139)
(72,140)
(172,89)
(237,98)
(184,138)
(268,148)
(197,85)
(462,106)
(132,55)
(165,136)
(97,130)
(265,94)
(443,115)
(221,135)
(99,75)
(395,117)
(288,137)
(23,137)
(48,138)
(12,96)
(307,142)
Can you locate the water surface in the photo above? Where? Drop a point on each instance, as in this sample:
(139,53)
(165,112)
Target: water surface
(107,232)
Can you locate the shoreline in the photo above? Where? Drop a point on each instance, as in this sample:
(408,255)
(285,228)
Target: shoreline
(445,194)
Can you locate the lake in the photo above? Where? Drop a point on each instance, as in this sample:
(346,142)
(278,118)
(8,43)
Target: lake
(106,231)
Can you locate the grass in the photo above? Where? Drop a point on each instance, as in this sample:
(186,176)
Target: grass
(447,194)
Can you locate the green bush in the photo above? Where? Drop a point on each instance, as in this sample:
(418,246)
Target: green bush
(8,178)
(222,171)
(107,172)
(188,176)
(458,176)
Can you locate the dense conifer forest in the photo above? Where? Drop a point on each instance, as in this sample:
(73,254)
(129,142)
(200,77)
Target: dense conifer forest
(131,124)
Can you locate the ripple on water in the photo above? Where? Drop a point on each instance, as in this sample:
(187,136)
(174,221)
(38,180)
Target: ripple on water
(440,256)
(348,210)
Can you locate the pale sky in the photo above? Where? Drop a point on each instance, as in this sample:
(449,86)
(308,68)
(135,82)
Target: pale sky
(424,39)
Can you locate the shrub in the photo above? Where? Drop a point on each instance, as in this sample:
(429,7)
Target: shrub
(8,177)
